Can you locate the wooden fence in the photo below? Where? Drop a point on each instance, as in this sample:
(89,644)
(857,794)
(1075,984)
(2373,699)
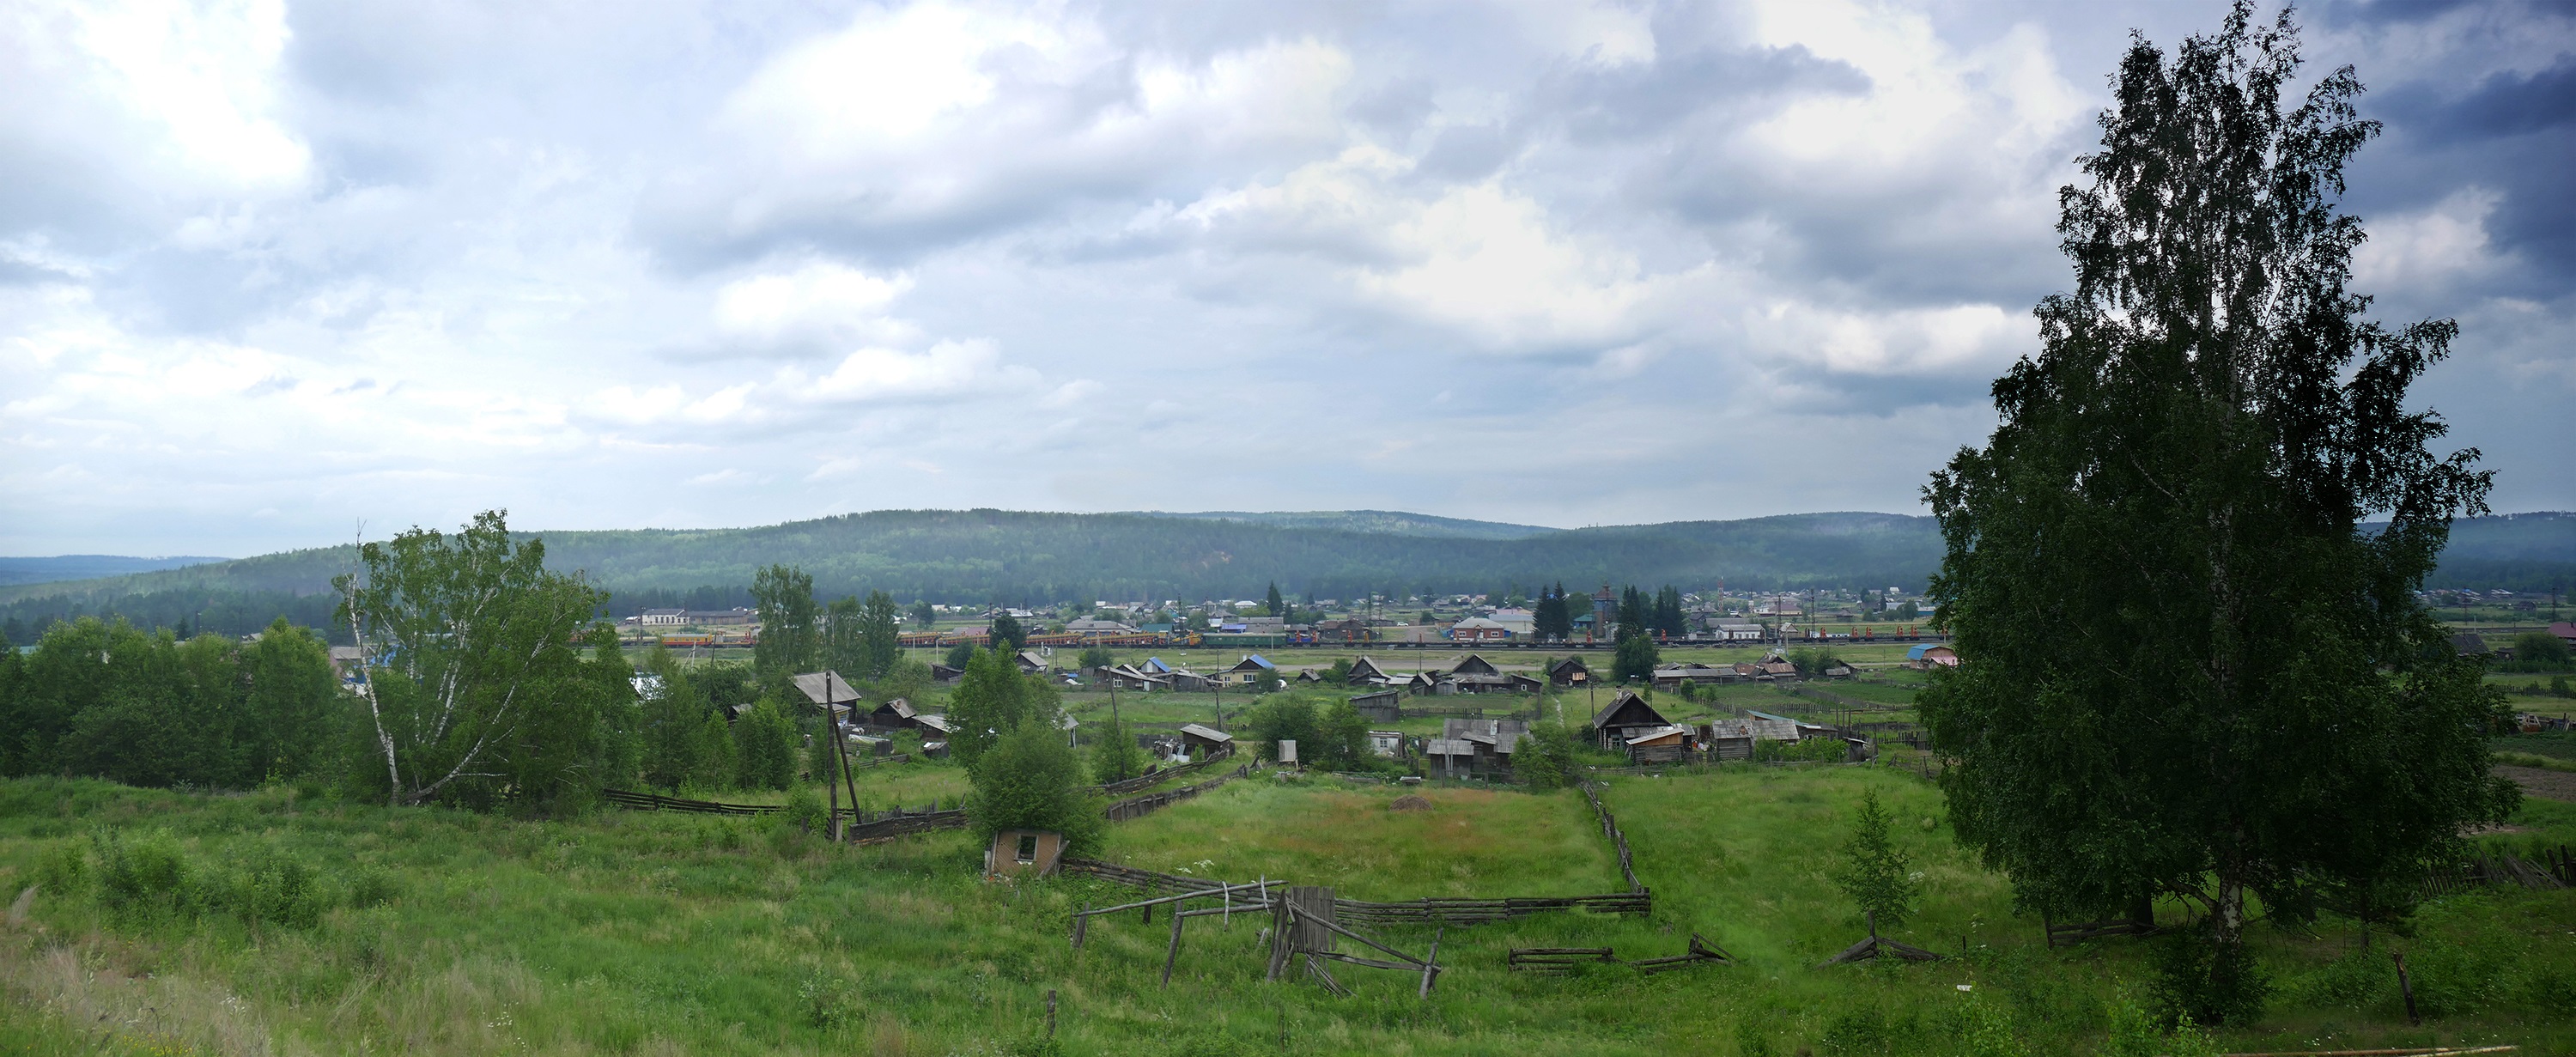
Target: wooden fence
(2555,869)
(1148,781)
(658,802)
(1618,840)
(1412,911)
(1152,802)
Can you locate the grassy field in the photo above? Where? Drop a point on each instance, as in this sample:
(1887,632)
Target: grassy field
(436,932)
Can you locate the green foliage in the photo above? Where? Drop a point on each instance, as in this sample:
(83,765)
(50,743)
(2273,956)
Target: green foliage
(805,810)
(958,655)
(152,709)
(1115,756)
(1874,873)
(1813,661)
(791,626)
(764,747)
(1545,758)
(1273,606)
(2188,667)
(1341,738)
(2200,981)
(476,687)
(2540,651)
(1030,779)
(669,725)
(992,700)
(1287,717)
(1094,657)
(2135,1032)
(1006,634)
(1553,619)
(1635,658)
(712,754)
(1803,750)
(880,636)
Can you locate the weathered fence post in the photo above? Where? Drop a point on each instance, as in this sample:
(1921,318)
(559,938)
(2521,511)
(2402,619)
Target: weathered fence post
(2406,989)
(1173,956)
(1050,1012)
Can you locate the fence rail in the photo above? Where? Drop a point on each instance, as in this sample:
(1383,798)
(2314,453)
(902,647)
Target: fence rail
(1150,780)
(1618,840)
(1152,802)
(1412,911)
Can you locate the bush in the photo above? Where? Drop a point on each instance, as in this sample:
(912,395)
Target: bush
(805,810)
(1545,759)
(2539,651)
(1030,780)
(143,877)
(1805,750)
(2200,982)
(64,870)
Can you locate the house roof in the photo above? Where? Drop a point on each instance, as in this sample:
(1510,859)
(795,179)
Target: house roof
(1629,710)
(1575,663)
(1919,652)
(1475,665)
(937,723)
(898,706)
(822,687)
(1657,734)
(1366,668)
(1448,747)
(1206,733)
(1390,695)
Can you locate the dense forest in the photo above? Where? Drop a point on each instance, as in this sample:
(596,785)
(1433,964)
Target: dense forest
(1004,556)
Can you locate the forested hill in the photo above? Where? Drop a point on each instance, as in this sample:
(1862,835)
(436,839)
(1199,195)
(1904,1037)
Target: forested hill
(1389,521)
(994,555)
(84,567)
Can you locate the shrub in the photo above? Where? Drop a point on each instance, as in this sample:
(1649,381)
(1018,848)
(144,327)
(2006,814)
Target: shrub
(64,870)
(1874,872)
(1030,780)
(2199,982)
(148,876)
(805,810)
(826,1001)
(1545,759)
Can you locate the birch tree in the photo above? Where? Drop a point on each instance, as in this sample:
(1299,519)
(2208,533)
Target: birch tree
(2188,666)
(462,638)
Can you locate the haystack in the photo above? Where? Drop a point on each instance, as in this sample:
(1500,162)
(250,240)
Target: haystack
(1409,802)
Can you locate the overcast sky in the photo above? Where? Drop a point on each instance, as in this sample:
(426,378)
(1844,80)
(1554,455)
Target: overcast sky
(268,272)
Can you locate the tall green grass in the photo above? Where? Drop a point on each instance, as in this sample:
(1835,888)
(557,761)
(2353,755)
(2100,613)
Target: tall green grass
(439,932)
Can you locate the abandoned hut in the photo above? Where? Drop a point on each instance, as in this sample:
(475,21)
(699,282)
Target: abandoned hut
(1383,706)
(1569,672)
(1208,741)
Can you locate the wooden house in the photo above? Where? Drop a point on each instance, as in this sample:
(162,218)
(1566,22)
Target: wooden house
(945,674)
(1252,670)
(1129,677)
(1569,672)
(1030,662)
(1474,665)
(1365,672)
(1728,739)
(1387,743)
(1931,655)
(1448,757)
(1491,740)
(1384,706)
(1627,715)
(1024,853)
(1197,739)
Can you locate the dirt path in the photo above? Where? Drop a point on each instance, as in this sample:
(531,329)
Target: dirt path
(2547,785)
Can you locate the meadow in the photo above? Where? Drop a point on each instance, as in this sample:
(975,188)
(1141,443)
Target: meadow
(432,931)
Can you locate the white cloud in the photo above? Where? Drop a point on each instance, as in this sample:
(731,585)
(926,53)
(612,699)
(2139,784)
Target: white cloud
(820,296)
(2435,247)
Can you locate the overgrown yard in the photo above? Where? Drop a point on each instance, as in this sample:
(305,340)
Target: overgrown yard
(427,931)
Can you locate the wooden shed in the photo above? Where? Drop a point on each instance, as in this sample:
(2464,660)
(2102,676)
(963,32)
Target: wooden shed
(1024,852)
(1475,665)
(1202,739)
(1728,739)
(1664,744)
(1569,672)
(1384,706)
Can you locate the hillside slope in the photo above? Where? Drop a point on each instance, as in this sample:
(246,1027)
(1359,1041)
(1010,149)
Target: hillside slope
(996,555)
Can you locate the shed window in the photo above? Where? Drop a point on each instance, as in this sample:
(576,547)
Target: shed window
(1028,847)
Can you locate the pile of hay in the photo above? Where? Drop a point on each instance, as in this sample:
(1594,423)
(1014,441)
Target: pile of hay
(1409,802)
